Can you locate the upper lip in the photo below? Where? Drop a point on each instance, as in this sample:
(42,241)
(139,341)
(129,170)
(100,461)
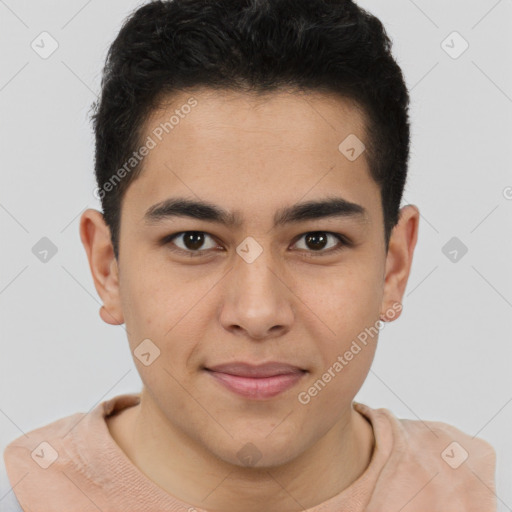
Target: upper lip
(242,369)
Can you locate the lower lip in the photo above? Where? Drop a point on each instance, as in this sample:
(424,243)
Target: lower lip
(257,388)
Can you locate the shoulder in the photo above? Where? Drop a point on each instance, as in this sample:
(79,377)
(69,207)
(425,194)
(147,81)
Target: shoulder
(460,465)
(34,461)
(45,463)
(441,440)
(41,444)
(8,501)
(446,463)
(451,447)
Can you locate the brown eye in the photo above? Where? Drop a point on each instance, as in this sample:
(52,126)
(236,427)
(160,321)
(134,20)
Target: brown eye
(192,242)
(317,241)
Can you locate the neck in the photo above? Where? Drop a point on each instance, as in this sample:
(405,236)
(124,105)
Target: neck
(186,470)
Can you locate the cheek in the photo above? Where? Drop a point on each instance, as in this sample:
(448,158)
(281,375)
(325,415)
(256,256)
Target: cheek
(346,364)
(344,300)
(346,312)
(168,310)
(145,298)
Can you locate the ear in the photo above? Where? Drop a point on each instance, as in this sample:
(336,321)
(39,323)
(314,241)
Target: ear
(95,235)
(398,261)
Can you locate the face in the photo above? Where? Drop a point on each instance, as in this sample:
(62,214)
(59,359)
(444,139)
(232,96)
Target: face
(268,281)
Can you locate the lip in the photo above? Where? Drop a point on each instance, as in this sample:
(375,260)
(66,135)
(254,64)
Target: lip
(242,369)
(257,382)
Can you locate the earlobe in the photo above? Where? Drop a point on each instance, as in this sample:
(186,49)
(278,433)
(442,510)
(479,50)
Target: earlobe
(95,236)
(399,260)
(108,318)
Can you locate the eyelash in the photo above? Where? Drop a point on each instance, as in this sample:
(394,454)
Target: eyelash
(344,242)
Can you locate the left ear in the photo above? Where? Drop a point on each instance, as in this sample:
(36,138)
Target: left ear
(399,260)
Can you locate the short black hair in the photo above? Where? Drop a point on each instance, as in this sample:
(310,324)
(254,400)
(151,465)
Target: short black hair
(253,46)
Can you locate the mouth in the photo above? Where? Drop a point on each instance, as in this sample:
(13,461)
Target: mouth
(257,382)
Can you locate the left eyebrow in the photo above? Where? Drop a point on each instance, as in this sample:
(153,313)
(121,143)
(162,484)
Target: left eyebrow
(300,212)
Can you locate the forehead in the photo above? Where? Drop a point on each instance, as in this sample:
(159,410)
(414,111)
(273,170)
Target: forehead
(282,117)
(239,149)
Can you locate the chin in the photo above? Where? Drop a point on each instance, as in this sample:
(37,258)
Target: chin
(255,451)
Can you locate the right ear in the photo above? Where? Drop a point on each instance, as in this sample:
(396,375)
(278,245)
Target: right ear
(95,236)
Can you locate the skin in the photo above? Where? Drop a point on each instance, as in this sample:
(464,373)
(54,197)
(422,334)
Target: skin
(254,156)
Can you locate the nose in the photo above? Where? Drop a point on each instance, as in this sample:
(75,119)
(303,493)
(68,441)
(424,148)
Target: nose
(258,302)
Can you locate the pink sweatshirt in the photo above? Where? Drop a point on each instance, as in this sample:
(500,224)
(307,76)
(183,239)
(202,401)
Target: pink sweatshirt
(74,465)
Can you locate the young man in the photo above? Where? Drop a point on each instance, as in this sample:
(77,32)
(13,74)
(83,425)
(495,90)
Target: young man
(250,157)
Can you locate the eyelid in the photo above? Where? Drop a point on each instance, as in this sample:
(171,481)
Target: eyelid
(343,240)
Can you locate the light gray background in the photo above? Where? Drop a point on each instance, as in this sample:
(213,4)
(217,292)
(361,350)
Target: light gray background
(447,358)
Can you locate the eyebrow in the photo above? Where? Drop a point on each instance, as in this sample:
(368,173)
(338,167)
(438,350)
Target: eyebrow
(300,212)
